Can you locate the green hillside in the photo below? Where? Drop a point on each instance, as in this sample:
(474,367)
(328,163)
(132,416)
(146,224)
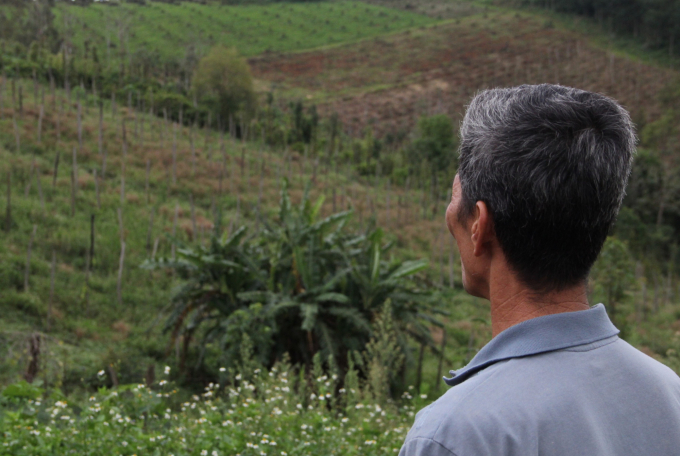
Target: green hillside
(170,33)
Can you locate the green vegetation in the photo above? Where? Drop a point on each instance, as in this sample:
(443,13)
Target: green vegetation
(306,286)
(223,82)
(252,411)
(181,32)
(248,274)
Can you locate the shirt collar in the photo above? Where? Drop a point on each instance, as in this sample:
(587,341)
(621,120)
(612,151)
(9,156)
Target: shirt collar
(540,335)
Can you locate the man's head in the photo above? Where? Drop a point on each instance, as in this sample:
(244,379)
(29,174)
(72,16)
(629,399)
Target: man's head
(543,170)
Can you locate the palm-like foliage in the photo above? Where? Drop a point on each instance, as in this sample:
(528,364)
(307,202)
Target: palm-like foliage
(304,285)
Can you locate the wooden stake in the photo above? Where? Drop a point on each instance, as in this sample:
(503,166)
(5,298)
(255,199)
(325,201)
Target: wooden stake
(56,168)
(74,183)
(193,150)
(100,136)
(146,186)
(419,373)
(96,188)
(174,154)
(17,137)
(121,263)
(150,232)
(438,380)
(122,171)
(121,227)
(51,300)
(2,96)
(8,209)
(61,110)
(163,131)
(27,271)
(40,122)
(39,186)
(80,125)
(104,164)
(193,217)
(88,266)
(174,232)
(155,249)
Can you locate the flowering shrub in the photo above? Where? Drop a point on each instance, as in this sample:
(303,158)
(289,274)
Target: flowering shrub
(280,412)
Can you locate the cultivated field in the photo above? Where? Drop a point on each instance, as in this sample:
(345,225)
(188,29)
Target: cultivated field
(173,33)
(389,82)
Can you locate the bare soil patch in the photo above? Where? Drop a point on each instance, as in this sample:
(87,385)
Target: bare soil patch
(389,82)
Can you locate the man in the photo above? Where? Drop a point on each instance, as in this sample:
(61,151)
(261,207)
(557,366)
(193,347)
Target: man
(542,175)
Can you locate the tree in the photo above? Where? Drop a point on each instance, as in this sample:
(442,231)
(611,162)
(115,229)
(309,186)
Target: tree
(223,81)
(613,271)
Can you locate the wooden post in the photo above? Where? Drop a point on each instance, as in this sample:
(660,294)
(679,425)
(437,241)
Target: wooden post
(100,136)
(51,300)
(88,266)
(174,153)
(419,373)
(2,96)
(122,171)
(162,131)
(150,232)
(193,150)
(27,271)
(40,122)
(56,169)
(121,227)
(17,137)
(121,263)
(80,125)
(58,126)
(113,104)
(174,232)
(148,171)
(74,183)
(96,188)
(141,127)
(438,380)
(8,209)
(155,249)
(39,186)
(193,217)
(104,164)
(30,176)
(243,162)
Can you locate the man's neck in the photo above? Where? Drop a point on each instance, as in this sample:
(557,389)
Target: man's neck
(512,302)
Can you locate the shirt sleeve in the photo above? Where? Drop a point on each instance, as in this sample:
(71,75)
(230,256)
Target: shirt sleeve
(424,446)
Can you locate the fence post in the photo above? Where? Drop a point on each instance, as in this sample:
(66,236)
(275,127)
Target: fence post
(438,380)
(74,183)
(51,301)
(8,210)
(27,271)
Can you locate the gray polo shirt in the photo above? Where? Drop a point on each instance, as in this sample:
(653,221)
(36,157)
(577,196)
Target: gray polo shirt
(562,384)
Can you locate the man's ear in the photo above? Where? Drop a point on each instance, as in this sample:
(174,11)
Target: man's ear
(482,229)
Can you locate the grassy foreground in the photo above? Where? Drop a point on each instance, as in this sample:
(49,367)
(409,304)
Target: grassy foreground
(274,413)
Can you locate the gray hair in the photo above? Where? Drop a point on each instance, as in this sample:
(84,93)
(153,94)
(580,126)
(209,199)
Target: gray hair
(552,164)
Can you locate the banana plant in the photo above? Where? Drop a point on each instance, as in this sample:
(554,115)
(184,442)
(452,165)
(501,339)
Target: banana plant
(305,284)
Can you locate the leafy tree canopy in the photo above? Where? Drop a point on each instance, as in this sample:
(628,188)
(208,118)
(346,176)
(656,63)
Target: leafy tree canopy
(223,81)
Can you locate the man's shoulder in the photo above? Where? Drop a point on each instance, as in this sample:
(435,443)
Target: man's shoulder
(517,403)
